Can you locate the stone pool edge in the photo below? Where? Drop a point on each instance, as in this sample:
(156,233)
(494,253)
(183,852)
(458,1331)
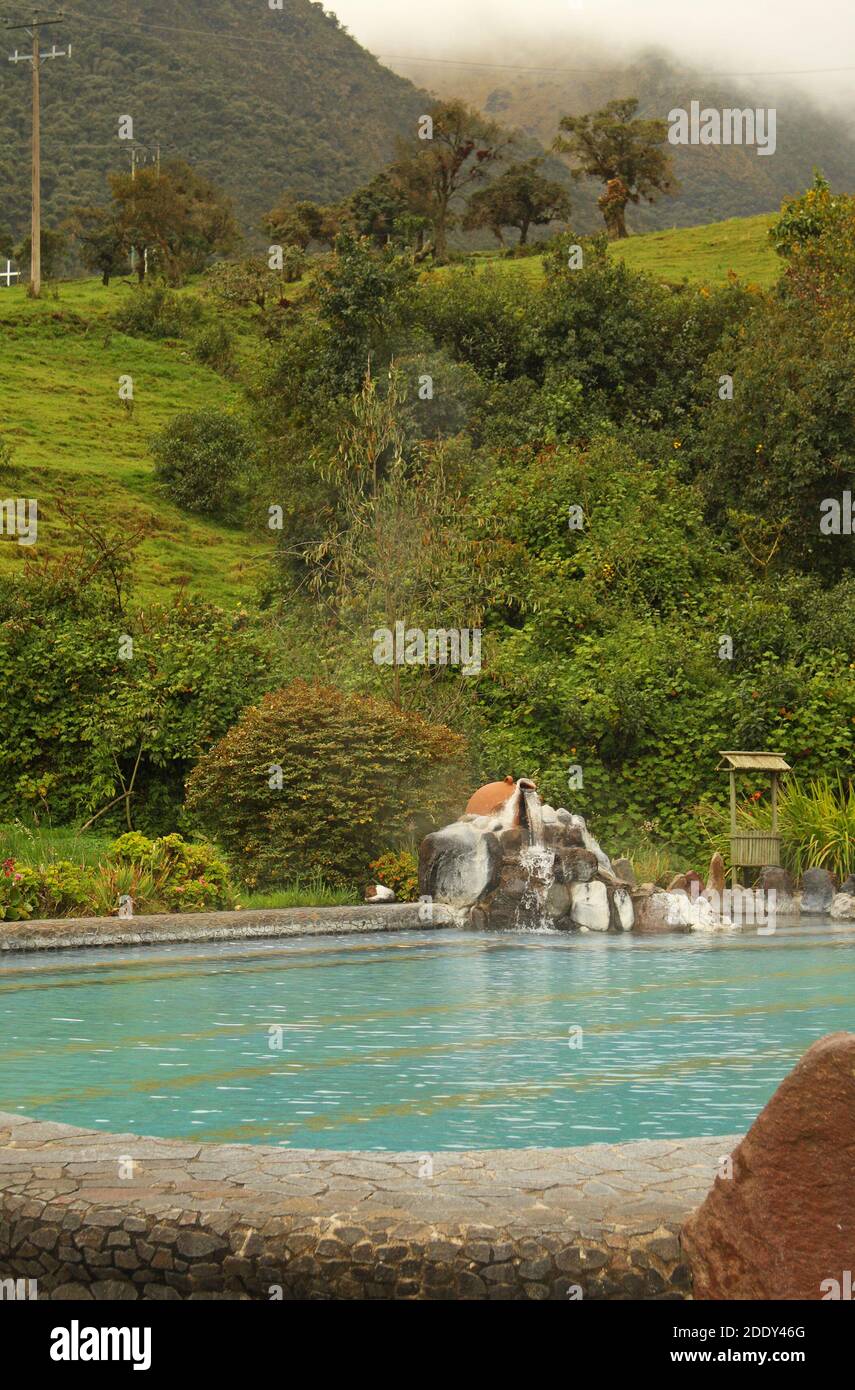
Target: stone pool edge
(91,1215)
(251,924)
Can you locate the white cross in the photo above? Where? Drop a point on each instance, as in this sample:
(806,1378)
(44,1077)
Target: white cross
(9,274)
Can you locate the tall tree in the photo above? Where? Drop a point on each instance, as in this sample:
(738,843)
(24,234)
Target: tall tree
(177,213)
(377,208)
(520,197)
(434,172)
(624,152)
(101,243)
(300,223)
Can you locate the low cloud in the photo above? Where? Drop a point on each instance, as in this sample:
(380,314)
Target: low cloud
(730,36)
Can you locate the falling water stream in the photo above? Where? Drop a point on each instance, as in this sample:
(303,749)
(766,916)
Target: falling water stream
(538,863)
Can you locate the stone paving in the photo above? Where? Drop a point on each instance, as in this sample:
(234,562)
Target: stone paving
(159,929)
(94,1215)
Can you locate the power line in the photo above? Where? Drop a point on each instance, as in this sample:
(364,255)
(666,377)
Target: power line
(607,72)
(217,35)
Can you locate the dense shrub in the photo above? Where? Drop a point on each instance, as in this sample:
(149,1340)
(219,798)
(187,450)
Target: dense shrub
(398,870)
(214,347)
(97,716)
(187,877)
(16,896)
(201,456)
(154,311)
(604,650)
(314,781)
(164,875)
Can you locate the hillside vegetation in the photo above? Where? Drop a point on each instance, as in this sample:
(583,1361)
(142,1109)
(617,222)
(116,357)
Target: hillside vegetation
(61,358)
(708,255)
(259,100)
(715,181)
(605,474)
(68,432)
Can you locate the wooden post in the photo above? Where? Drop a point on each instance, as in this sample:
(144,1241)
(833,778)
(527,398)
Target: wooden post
(36,224)
(733,865)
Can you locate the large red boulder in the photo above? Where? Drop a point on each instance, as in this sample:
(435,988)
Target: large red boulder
(783,1225)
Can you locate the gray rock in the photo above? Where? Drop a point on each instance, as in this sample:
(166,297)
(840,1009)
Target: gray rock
(624,871)
(843,907)
(459,864)
(575,865)
(778,879)
(818,888)
(653,911)
(622,915)
(590,906)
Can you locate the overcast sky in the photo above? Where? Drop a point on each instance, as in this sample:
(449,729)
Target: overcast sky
(720,35)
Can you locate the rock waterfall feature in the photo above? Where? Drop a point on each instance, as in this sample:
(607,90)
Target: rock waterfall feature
(512,862)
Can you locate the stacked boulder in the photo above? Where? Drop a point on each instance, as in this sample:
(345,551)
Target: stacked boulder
(513,862)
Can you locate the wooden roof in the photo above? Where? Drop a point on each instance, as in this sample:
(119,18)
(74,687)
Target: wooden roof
(755,762)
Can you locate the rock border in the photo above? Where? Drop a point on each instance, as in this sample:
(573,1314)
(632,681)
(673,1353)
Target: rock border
(162,929)
(240,1221)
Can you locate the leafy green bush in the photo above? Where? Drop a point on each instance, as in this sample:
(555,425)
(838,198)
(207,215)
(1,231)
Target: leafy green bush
(214,347)
(154,311)
(63,889)
(202,456)
(185,877)
(813,214)
(398,870)
(316,781)
(69,754)
(16,896)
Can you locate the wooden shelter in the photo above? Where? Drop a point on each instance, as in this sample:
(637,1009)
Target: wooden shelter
(753,849)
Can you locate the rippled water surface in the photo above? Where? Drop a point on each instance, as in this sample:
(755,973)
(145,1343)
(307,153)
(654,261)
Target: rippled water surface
(421,1040)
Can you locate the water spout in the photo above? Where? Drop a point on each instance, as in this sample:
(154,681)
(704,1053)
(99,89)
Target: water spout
(534,817)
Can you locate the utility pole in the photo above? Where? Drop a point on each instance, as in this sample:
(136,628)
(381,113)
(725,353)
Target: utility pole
(133,153)
(33,26)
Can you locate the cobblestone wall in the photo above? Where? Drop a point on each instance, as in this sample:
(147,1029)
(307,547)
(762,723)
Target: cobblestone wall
(91,1215)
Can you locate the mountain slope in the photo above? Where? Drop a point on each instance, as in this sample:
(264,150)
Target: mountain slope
(717,182)
(261,100)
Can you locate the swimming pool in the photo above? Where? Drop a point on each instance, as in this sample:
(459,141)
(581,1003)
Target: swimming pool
(421,1040)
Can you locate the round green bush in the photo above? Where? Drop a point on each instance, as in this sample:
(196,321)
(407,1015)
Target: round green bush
(314,781)
(201,457)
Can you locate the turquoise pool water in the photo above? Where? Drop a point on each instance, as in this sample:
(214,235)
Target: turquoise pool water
(421,1041)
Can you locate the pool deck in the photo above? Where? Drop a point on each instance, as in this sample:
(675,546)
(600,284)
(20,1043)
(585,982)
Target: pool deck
(251,924)
(106,1216)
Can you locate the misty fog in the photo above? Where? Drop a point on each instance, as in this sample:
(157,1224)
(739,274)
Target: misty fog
(780,37)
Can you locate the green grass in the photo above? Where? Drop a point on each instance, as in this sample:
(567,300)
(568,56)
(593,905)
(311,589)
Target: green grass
(37,845)
(706,255)
(61,415)
(311,892)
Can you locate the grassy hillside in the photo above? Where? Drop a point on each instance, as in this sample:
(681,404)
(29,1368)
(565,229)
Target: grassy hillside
(691,255)
(260,100)
(706,255)
(60,413)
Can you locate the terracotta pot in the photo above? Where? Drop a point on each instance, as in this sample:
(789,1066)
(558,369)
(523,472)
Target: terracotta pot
(492,796)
